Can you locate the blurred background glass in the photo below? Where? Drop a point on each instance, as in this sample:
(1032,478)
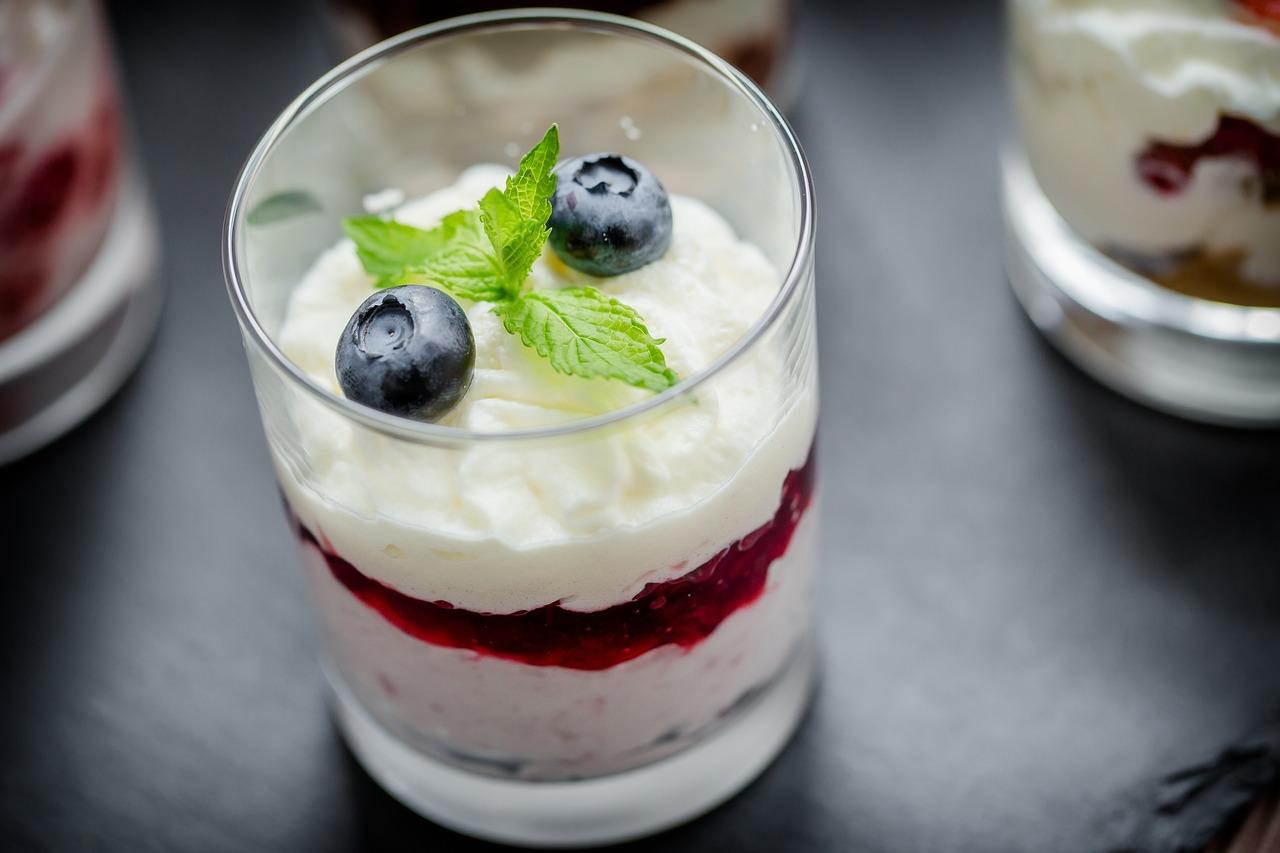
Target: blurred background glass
(1143,197)
(77,247)
(754,35)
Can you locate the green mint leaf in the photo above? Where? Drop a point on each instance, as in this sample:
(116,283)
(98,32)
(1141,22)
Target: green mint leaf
(453,255)
(499,217)
(530,189)
(517,241)
(466,271)
(512,221)
(388,250)
(515,219)
(583,332)
(463,226)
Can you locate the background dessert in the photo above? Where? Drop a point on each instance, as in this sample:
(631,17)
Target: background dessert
(78,248)
(60,153)
(1154,128)
(752,34)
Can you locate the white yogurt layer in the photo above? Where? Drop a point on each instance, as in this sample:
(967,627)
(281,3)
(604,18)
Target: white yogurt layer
(587,521)
(1097,80)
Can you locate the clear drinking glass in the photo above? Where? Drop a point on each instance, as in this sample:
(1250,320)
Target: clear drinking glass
(1142,199)
(78,298)
(664,661)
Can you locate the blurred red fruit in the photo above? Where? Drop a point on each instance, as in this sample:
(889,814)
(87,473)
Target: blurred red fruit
(1262,8)
(1167,168)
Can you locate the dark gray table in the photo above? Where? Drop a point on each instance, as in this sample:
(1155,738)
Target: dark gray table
(1036,594)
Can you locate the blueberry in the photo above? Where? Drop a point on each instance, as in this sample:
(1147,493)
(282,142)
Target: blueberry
(609,215)
(407,351)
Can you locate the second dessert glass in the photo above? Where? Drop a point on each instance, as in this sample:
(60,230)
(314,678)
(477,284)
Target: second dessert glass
(605,679)
(1142,204)
(79,297)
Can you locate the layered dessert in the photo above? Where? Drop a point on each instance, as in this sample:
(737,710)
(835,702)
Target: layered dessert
(59,153)
(1154,128)
(571,604)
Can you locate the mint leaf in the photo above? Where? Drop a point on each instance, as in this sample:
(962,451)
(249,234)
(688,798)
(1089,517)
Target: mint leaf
(517,241)
(583,332)
(453,255)
(499,217)
(513,222)
(466,271)
(515,219)
(462,225)
(388,249)
(530,189)
(464,266)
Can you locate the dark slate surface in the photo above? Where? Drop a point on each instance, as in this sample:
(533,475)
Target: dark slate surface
(1036,594)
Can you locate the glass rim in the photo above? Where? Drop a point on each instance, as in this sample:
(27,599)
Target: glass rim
(335,79)
(32,82)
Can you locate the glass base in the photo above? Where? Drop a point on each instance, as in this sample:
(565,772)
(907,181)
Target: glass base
(1208,361)
(588,812)
(61,368)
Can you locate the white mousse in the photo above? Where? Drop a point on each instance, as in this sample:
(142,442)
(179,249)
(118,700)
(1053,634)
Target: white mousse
(588,520)
(1098,80)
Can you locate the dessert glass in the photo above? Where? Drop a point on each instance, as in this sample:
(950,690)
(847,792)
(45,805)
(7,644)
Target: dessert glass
(583,687)
(1142,199)
(78,250)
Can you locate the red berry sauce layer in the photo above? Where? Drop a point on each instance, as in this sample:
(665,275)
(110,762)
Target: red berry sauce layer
(682,611)
(1267,10)
(44,191)
(1167,168)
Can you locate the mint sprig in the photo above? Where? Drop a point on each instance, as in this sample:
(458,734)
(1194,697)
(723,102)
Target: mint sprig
(484,254)
(583,332)
(387,249)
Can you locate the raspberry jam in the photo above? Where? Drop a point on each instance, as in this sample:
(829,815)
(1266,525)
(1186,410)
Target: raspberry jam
(1166,168)
(682,611)
(1267,10)
(54,202)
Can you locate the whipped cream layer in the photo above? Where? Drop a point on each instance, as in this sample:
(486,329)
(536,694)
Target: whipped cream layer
(1098,80)
(586,521)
